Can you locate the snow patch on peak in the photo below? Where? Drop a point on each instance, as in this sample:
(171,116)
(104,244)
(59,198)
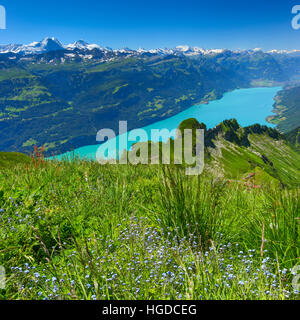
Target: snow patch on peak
(183,48)
(83,45)
(52,44)
(47,44)
(285,52)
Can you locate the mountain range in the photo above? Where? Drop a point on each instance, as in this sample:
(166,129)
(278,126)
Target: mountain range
(52,44)
(59,95)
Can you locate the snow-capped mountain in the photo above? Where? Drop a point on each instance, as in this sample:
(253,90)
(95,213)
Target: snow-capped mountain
(82,50)
(46,45)
(83,45)
(295,53)
(50,44)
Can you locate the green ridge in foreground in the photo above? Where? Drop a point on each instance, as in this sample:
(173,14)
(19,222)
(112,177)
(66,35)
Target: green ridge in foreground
(232,152)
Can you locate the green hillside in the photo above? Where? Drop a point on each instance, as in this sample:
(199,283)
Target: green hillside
(84,231)
(294,138)
(60,102)
(287,110)
(63,106)
(260,148)
(9,159)
(233,152)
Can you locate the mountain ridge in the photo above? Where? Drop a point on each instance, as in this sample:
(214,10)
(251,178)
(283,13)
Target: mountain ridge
(49,44)
(60,98)
(253,155)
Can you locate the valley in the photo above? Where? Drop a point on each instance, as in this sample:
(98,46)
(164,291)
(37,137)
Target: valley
(61,98)
(248,106)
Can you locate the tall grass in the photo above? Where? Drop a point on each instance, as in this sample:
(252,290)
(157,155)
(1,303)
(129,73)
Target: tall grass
(80,230)
(278,223)
(193,205)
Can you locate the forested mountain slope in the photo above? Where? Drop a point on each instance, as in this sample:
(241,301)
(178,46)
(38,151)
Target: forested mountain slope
(60,99)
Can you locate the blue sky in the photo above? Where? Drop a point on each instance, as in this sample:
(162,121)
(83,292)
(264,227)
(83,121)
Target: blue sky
(150,24)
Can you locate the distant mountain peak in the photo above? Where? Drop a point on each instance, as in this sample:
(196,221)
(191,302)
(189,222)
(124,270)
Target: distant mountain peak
(46,45)
(83,45)
(183,48)
(50,39)
(81,42)
(51,44)
(78,44)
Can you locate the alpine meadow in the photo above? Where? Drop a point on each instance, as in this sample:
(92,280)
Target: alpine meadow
(73,227)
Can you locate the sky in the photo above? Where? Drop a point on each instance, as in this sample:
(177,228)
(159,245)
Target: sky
(231,24)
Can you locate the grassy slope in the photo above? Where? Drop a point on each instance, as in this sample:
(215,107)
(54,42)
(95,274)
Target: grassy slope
(233,152)
(294,138)
(283,163)
(80,230)
(8,159)
(84,231)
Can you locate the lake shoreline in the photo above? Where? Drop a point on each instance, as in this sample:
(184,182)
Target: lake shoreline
(211,113)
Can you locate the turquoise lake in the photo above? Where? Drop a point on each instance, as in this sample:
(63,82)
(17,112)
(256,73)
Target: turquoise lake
(248,106)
